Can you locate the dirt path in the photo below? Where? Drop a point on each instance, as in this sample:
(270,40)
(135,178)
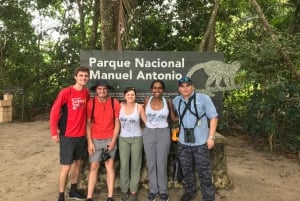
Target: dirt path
(29,169)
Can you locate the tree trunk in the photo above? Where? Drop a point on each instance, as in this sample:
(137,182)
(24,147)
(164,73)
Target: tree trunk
(109,10)
(82,27)
(95,25)
(283,54)
(209,40)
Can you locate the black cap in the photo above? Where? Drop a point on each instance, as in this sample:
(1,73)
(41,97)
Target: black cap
(101,83)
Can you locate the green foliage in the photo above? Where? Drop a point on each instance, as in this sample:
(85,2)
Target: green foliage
(267,104)
(157,25)
(277,113)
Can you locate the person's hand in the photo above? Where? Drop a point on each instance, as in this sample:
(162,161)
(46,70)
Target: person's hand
(91,148)
(111,145)
(55,138)
(210,143)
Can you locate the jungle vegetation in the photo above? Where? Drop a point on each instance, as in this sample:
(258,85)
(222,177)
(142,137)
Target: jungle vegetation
(40,43)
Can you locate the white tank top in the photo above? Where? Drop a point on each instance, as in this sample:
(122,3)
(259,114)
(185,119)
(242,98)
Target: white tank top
(157,118)
(130,124)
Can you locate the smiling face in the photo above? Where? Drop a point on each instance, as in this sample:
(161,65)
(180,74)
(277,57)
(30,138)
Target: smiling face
(81,78)
(102,92)
(129,96)
(157,89)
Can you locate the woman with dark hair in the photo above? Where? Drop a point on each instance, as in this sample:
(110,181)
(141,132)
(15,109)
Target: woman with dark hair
(156,139)
(130,144)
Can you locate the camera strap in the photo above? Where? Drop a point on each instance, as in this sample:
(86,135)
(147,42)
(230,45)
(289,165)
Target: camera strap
(188,107)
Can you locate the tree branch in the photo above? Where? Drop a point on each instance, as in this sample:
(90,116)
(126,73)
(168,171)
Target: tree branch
(284,55)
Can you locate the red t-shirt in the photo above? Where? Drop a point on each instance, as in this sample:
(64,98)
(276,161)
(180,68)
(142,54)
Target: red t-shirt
(75,122)
(103,123)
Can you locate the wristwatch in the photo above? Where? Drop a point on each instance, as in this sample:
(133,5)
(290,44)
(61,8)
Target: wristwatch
(212,137)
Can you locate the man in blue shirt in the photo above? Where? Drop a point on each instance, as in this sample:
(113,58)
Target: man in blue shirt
(198,121)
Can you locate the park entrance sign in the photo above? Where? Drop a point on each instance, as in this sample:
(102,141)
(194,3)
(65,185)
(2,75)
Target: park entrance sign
(139,68)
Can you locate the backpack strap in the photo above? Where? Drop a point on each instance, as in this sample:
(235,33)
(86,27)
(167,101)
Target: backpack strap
(113,108)
(93,110)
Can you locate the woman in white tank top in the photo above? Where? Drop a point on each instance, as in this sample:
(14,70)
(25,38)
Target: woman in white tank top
(156,139)
(130,144)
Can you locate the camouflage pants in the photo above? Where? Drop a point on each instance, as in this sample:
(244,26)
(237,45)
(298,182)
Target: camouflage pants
(192,157)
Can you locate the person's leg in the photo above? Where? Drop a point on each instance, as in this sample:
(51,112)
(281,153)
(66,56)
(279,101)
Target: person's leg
(150,152)
(110,170)
(124,151)
(92,178)
(163,148)
(80,152)
(66,149)
(63,177)
(186,159)
(136,163)
(94,167)
(75,169)
(202,161)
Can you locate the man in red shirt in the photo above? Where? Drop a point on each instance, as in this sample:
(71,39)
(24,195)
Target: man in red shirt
(68,128)
(103,128)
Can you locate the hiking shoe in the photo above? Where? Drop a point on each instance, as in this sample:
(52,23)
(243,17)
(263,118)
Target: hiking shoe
(188,197)
(133,196)
(110,199)
(151,196)
(123,196)
(75,194)
(164,197)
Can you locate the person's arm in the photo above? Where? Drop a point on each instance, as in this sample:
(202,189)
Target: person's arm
(173,115)
(142,113)
(113,142)
(91,147)
(111,145)
(213,123)
(55,116)
(146,102)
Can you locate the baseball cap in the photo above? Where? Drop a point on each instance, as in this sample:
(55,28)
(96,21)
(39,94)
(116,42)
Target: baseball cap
(184,79)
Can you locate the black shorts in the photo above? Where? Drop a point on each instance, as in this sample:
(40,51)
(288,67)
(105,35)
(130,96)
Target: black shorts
(72,148)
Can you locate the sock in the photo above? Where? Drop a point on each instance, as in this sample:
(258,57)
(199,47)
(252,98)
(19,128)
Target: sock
(73,187)
(61,195)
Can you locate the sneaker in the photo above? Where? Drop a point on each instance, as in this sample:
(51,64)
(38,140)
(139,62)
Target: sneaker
(110,199)
(151,196)
(164,197)
(76,195)
(188,197)
(133,196)
(123,196)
